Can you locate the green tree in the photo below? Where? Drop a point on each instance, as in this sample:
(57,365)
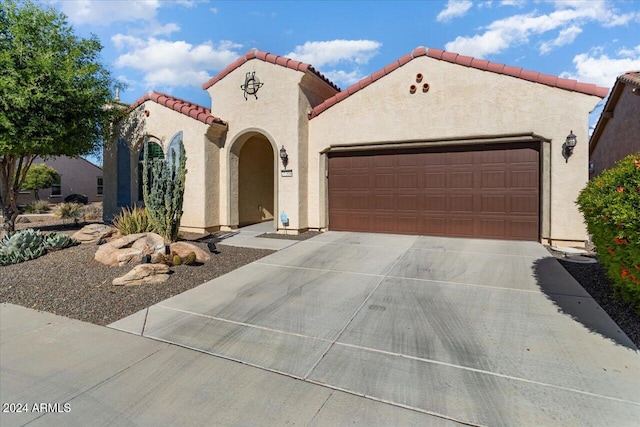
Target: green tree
(40,177)
(55,94)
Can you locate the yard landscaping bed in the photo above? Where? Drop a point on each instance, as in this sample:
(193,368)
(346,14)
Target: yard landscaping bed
(71,283)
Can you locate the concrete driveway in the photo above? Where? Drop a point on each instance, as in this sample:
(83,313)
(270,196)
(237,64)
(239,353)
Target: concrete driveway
(476,331)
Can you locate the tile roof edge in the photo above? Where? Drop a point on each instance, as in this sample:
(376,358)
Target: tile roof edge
(273,59)
(471,62)
(155,97)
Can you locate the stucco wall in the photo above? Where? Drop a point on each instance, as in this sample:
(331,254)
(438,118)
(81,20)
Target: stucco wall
(461,102)
(621,135)
(77,176)
(276,114)
(200,205)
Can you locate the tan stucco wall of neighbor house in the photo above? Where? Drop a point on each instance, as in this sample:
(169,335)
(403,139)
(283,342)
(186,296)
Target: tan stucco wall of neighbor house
(77,176)
(621,134)
(280,115)
(462,102)
(200,206)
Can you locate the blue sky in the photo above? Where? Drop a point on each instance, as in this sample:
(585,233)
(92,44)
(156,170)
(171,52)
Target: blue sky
(175,46)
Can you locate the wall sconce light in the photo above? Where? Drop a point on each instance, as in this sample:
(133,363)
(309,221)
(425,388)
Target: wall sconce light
(569,145)
(284,157)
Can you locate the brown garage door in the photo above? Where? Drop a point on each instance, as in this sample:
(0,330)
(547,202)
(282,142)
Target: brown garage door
(474,191)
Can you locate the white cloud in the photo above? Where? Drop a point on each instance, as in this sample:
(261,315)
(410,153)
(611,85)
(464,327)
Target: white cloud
(174,63)
(566,36)
(343,78)
(213,9)
(335,51)
(596,67)
(104,12)
(454,9)
(567,19)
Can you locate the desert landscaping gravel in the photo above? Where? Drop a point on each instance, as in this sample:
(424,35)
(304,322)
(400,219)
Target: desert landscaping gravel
(71,283)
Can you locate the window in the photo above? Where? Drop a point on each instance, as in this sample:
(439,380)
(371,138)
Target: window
(99,190)
(56,188)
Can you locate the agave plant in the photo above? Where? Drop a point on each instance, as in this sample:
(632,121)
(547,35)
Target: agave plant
(21,246)
(57,241)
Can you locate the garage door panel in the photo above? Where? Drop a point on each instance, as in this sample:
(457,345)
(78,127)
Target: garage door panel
(386,180)
(460,227)
(359,182)
(358,202)
(461,180)
(435,180)
(488,191)
(434,203)
(494,179)
(461,203)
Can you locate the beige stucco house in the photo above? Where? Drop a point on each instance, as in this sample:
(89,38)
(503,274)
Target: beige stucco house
(435,143)
(617,133)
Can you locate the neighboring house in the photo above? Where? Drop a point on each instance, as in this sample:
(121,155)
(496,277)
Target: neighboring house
(617,133)
(77,176)
(434,143)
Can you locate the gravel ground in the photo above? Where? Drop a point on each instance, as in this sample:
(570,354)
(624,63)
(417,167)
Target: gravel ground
(594,280)
(71,283)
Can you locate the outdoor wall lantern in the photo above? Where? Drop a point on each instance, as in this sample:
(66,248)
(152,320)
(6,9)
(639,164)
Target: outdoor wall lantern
(569,145)
(284,157)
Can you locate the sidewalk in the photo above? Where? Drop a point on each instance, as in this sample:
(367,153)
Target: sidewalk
(91,375)
(247,237)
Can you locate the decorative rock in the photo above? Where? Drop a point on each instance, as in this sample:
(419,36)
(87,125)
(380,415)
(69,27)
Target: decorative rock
(127,255)
(144,273)
(150,244)
(129,248)
(93,233)
(183,249)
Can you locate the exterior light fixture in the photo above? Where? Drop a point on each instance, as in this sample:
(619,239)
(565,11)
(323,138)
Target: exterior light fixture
(569,145)
(284,157)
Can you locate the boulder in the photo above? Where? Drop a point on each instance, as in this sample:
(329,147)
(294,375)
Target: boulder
(92,233)
(150,244)
(129,249)
(183,249)
(144,273)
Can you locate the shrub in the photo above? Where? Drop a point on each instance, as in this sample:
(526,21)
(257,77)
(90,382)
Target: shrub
(40,177)
(611,207)
(77,198)
(68,211)
(132,221)
(37,207)
(92,212)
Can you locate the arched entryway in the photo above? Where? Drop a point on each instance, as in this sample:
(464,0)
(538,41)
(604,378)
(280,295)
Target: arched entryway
(252,167)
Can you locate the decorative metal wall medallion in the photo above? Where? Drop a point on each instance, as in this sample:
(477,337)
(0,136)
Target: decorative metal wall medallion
(251,85)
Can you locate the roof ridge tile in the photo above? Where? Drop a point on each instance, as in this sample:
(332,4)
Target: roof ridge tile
(180,105)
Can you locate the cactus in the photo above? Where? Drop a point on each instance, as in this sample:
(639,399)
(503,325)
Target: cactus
(163,196)
(21,246)
(57,241)
(176,260)
(189,259)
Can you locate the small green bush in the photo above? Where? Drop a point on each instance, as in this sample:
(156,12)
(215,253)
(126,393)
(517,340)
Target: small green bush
(72,211)
(132,221)
(37,207)
(611,207)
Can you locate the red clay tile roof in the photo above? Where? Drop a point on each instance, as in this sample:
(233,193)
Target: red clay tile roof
(274,59)
(467,61)
(187,108)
